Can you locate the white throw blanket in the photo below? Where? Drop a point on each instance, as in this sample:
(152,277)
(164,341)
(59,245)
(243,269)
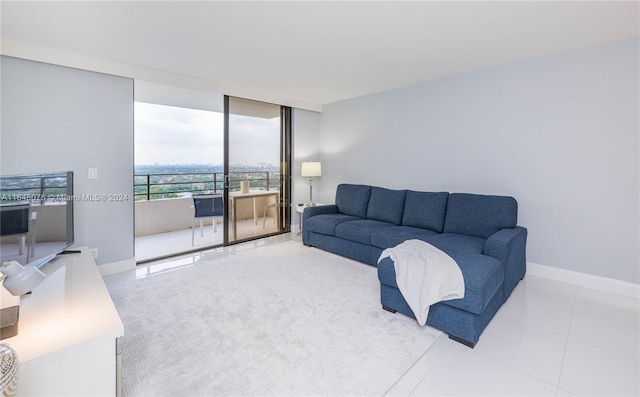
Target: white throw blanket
(425,275)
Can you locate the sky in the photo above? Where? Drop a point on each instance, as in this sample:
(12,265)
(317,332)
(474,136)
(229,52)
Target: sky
(173,135)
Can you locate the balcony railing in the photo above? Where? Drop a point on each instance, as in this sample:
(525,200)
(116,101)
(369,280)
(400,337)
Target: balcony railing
(35,189)
(158,186)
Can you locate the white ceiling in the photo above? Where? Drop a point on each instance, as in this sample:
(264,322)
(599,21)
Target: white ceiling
(316,52)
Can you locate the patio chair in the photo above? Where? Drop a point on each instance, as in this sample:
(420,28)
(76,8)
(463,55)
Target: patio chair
(206,207)
(271,203)
(19,221)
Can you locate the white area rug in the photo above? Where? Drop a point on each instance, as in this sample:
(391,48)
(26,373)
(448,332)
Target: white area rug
(280,320)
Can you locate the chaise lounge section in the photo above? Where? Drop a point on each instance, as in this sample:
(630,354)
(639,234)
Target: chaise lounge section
(478,231)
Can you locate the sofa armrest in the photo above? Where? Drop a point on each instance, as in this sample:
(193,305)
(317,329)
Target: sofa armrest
(319,210)
(310,212)
(509,247)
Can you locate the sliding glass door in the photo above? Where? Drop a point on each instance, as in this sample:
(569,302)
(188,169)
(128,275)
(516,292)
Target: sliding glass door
(194,153)
(179,156)
(257,171)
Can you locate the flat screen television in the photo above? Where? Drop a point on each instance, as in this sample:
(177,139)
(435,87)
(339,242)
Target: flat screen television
(36,216)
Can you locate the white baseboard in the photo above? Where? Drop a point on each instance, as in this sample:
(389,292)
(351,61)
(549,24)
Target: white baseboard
(107,269)
(613,286)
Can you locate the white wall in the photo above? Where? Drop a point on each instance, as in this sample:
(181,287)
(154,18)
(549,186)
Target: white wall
(559,133)
(25,50)
(306,127)
(177,214)
(56,118)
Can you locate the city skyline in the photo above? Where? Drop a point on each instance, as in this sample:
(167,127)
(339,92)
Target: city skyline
(258,166)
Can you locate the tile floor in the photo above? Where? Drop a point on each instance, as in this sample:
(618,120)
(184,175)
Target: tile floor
(549,339)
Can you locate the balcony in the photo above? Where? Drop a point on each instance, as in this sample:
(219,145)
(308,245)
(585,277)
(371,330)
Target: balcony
(164,212)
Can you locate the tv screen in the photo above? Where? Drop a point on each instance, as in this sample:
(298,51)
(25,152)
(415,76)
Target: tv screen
(36,216)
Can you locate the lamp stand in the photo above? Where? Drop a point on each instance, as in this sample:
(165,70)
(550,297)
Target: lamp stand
(311,203)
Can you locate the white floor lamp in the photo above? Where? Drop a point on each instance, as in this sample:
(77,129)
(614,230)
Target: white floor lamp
(311,169)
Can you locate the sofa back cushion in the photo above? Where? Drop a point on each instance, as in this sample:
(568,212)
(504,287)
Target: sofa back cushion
(353,199)
(480,215)
(425,210)
(386,205)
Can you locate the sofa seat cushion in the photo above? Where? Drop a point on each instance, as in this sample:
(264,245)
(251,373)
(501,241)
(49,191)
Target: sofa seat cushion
(326,223)
(483,277)
(359,230)
(391,236)
(456,242)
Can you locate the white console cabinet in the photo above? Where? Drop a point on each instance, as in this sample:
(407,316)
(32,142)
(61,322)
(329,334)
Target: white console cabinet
(67,333)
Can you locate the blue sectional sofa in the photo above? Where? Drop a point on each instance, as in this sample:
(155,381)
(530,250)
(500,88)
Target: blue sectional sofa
(478,231)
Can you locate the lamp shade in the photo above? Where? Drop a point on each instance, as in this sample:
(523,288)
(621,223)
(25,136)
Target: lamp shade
(20,280)
(311,169)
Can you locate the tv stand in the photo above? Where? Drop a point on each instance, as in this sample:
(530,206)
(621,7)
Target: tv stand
(66,252)
(68,331)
